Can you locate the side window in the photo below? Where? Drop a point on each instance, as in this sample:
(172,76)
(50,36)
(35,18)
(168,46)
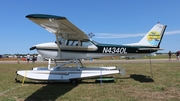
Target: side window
(62,41)
(86,43)
(69,43)
(72,43)
(78,43)
(75,43)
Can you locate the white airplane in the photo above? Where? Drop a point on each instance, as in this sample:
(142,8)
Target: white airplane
(72,43)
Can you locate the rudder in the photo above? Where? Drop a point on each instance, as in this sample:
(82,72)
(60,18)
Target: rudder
(154,36)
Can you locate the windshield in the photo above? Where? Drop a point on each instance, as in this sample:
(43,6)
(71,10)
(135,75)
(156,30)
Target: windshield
(94,42)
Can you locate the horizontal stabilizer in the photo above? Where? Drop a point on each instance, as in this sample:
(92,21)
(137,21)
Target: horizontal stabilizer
(150,49)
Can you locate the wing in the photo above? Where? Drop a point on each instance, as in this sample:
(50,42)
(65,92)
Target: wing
(58,25)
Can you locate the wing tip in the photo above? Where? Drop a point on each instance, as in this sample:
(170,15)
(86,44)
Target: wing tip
(44,16)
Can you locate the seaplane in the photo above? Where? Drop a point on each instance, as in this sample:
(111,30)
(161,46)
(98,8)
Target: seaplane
(73,44)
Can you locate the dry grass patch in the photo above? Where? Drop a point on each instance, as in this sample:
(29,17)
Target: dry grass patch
(137,85)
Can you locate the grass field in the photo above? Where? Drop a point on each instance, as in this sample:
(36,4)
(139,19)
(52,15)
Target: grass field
(136,85)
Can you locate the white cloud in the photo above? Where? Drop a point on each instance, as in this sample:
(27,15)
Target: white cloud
(108,35)
(172,32)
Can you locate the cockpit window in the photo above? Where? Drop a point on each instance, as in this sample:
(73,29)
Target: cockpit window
(72,42)
(86,43)
(94,42)
(62,41)
(68,42)
(75,43)
(59,42)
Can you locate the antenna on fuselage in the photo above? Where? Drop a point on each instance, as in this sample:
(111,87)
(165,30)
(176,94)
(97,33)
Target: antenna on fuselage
(90,35)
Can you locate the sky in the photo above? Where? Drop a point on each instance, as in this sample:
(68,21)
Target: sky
(127,20)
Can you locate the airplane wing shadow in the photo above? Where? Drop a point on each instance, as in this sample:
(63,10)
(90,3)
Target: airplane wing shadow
(138,77)
(51,92)
(141,78)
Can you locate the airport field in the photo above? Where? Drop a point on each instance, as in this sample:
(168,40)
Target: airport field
(136,85)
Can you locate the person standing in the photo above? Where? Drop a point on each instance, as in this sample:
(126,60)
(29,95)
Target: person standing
(18,58)
(169,55)
(177,55)
(33,58)
(28,58)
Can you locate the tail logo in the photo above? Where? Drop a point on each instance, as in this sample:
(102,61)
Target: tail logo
(153,38)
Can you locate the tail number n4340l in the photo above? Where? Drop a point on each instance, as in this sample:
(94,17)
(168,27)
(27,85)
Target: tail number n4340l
(121,50)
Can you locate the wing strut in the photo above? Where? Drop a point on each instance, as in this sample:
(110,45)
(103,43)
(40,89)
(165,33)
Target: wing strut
(57,39)
(58,44)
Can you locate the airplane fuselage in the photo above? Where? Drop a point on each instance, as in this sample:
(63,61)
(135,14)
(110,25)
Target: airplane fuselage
(50,50)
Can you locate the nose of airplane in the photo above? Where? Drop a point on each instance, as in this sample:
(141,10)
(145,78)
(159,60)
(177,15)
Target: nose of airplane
(38,46)
(44,45)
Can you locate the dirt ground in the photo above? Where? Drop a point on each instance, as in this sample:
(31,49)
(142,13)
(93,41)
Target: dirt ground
(11,59)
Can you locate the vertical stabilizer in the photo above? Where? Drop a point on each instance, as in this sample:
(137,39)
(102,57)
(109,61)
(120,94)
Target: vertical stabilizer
(154,36)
